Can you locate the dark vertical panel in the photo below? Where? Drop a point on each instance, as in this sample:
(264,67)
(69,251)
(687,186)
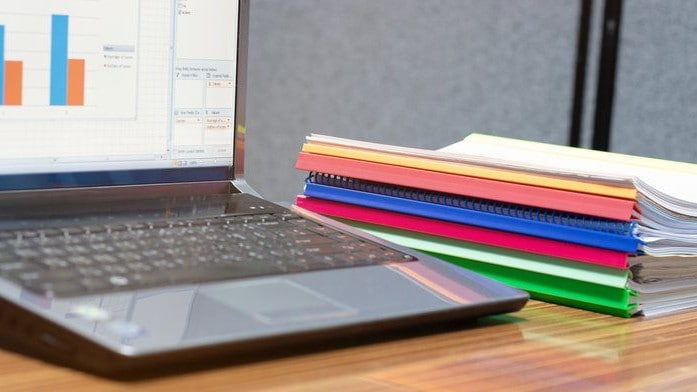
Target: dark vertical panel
(606,74)
(584,21)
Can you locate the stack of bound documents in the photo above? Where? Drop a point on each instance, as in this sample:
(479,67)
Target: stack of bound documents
(606,232)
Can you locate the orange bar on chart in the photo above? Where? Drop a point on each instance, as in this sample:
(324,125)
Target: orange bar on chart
(76,82)
(13,82)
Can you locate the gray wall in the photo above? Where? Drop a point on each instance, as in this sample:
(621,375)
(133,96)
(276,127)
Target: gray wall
(655,111)
(424,73)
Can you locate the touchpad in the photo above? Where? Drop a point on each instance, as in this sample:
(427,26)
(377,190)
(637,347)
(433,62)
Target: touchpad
(278,301)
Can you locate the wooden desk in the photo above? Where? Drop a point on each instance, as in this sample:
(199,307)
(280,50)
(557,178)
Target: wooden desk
(543,346)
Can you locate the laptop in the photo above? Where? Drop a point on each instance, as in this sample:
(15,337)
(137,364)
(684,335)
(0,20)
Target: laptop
(129,238)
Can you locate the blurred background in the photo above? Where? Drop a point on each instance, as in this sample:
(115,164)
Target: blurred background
(425,73)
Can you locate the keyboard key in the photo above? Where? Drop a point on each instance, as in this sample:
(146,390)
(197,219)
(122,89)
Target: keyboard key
(95,284)
(54,262)
(118,280)
(54,288)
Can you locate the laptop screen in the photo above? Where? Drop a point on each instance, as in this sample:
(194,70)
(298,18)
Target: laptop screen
(102,92)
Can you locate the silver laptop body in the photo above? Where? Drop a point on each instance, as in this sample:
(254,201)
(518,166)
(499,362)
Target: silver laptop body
(131,121)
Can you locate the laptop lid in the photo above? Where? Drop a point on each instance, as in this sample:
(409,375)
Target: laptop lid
(121,93)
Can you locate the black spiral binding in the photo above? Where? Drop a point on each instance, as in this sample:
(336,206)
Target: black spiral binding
(475,204)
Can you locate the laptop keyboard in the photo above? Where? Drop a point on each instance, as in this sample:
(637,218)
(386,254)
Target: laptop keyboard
(97,259)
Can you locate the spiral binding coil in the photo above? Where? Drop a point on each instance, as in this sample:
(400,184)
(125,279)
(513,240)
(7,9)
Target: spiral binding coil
(475,204)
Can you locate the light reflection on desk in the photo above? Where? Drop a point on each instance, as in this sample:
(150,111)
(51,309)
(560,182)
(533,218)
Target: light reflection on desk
(557,348)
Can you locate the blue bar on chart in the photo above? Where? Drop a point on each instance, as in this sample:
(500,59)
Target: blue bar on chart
(59,59)
(2,64)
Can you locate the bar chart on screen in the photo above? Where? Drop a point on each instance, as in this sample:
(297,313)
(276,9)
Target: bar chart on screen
(69,60)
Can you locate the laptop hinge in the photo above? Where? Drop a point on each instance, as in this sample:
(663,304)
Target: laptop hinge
(115,193)
(243,187)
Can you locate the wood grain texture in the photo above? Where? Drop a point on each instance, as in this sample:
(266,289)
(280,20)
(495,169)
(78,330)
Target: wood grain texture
(542,347)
